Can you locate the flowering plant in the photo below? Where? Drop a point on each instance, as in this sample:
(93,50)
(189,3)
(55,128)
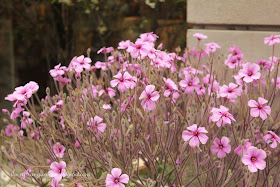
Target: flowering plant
(152,118)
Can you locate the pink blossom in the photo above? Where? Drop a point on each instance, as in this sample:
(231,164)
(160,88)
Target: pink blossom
(55,182)
(80,63)
(77,144)
(212,47)
(124,44)
(57,170)
(58,150)
(105,50)
(26,173)
(233,61)
(272,40)
(247,144)
(96,125)
(221,116)
(222,147)
(231,91)
(271,138)
(11,130)
(189,84)
(195,135)
(58,70)
(250,72)
(150,97)
(124,81)
(265,64)
(200,36)
(63,80)
(111,92)
(139,48)
(101,65)
(116,178)
(170,87)
(57,106)
(106,106)
(254,159)
(25,120)
(148,37)
(277,81)
(258,109)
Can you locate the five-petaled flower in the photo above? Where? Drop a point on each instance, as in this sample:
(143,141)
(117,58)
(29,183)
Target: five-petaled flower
(258,109)
(57,170)
(150,97)
(254,159)
(221,116)
(222,147)
(271,138)
(195,135)
(250,72)
(116,178)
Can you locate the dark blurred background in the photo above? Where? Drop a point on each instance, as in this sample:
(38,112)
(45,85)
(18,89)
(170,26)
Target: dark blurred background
(35,35)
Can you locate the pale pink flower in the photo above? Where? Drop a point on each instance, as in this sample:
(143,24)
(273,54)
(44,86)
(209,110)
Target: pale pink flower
(195,135)
(148,37)
(254,159)
(272,40)
(11,130)
(26,173)
(96,124)
(116,178)
(271,138)
(150,97)
(58,150)
(258,109)
(139,48)
(80,63)
(189,84)
(100,65)
(57,170)
(57,106)
(63,80)
(250,72)
(106,106)
(277,81)
(111,92)
(77,144)
(170,87)
(233,61)
(200,36)
(221,116)
(124,44)
(105,50)
(222,147)
(58,70)
(55,182)
(212,47)
(265,64)
(247,144)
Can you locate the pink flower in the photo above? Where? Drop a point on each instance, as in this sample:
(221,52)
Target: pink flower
(26,173)
(254,159)
(170,87)
(57,170)
(57,71)
(63,80)
(271,138)
(77,144)
(101,65)
(139,48)
(231,91)
(148,37)
(221,116)
(58,150)
(258,109)
(212,47)
(200,36)
(57,106)
(265,64)
(195,135)
(80,63)
(124,44)
(124,81)
(106,106)
(247,144)
(272,40)
(105,50)
(150,97)
(250,72)
(221,146)
(11,130)
(111,92)
(95,124)
(55,182)
(189,84)
(116,178)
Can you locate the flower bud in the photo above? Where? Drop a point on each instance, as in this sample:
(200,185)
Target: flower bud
(48,91)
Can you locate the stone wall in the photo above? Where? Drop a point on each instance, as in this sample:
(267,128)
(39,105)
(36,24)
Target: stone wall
(241,22)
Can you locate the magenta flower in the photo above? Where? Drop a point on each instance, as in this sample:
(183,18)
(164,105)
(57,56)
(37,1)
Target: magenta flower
(11,130)
(58,150)
(150,97)
(189,84)
(221,116)
(57,106)
(170,87)
(55,182)
(272,40)
(116,178)
(77,144)
(80,63)
(139,48)
(247,144)
(58,170)
(271,138)
(222,147)
(123,81)
(96,125)
(101,65)
(254,159)
(231,91)
(265,64)
(250,72)
(200,36)
(105,50)
(258,109)
(195,135)
(111,92)
(106,106)
(124,44)
(148,37)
